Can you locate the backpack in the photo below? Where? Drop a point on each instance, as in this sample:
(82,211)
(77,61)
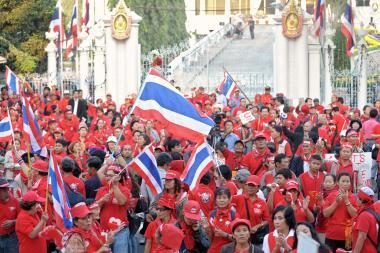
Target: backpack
(377,217)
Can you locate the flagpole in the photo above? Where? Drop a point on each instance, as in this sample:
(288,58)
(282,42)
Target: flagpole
(249,101)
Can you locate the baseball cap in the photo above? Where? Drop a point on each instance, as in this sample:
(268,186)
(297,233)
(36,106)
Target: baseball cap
(352,133)
(242,175)
(292,184)
(40,165)
(365,193)
(111,139)
(166,201)
(80,210)
(32,196)
(4,183)
(238,222)
(260,135)
(253,179)
(192,210)
(58,130)
(171,174)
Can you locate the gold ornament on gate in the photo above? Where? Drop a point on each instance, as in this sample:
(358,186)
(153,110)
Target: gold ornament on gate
(121,22)
(292,20)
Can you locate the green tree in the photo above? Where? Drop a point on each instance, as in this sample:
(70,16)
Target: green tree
(163,22)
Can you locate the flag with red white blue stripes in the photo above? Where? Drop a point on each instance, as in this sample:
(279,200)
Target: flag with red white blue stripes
(319,15)
(347,28)
(13,82)
(228,86)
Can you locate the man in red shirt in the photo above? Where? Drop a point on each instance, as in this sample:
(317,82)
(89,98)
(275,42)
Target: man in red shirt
(261,123)
(75,184)
(69,124)
(318,106)
(204,195)
(10,208)
(340,120)
(40,169)
(365,228)
(255,159)
(233,159)
(266,98)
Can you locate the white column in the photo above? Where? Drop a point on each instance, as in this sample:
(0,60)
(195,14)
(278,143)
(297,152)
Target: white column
(83,62)
(227,8)
(303,5)
(51,50)
(99,61)
(300,87)
(101,9)
(202,6)
(315,70)
(328,49)
(362,46)
(280,60)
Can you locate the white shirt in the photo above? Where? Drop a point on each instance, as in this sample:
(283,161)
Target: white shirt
(275,234)
(76,102)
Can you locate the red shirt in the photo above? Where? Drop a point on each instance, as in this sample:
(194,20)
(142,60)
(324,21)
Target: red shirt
(69,127)
(205,197)
(41,187)
(283,147)
(254,161)
(9,211)
(25,224)
(258,210)
(150,234)
(299,213)
(340,220)
(112,210)
(75,184)
(366,223)
(222,220)
(311,186)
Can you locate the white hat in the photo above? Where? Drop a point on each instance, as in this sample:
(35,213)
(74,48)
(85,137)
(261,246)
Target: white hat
(66,92)
(112,139)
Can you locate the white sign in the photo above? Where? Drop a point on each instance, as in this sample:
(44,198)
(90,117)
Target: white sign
(246,117)
(306,244)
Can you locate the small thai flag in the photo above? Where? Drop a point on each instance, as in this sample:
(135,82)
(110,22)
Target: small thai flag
(61,205)
(5,129)
(228,86)
(146,166)
(319,14)
(199,163)
(348,28)
(13,82)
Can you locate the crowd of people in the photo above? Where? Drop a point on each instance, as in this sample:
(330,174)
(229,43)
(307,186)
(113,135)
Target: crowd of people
(270,184)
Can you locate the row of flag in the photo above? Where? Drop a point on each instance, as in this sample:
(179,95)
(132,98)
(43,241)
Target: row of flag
(70,40)
(347,21)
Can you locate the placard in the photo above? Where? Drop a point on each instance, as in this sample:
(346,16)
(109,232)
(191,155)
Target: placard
(246,117)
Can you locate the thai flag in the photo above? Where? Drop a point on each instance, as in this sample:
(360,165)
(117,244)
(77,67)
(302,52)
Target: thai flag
(146,166)
(159,100)
(32,129)
(199,163)
(319,14)
(5,129)
(72,42)
(86,13)
(348,28)
(61,205)
(12,81)
(56,23)
(228,86)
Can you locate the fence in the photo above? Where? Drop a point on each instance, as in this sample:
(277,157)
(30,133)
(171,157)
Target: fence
(38,82)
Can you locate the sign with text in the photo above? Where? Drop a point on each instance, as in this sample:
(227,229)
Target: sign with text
(246,117)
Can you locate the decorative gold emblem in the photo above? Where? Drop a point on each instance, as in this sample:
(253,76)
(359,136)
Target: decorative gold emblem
(292,21)
(121,22)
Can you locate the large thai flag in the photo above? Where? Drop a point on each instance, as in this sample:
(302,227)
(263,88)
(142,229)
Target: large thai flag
(348,28)
(228,86)
(32,129)
(319,15)
(61,205)
(56,23)
(199,163)
(5,129)
(146,167)
(72,42)
(159,100)
(12,81)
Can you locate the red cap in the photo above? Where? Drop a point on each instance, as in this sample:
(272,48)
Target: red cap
(177,166)
(171,174)
(192,210)
(270,157)
(166,201)
(292,184)
(68,112)
(352,133)
(365,193)
(171,236)
(16,130)
(346,146)
(238,222)
(58,130)
(226,109)
(357,111)
(80,210)
(207,102)
(253,179)
(260,135)
(40,165)
(32,196)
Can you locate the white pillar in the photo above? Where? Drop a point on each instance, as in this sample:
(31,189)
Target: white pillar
(101,9)
(328,49)
(202,7)
(99,61)
(300,69)
(83,62)
(362,46)
(303,5)
(315,70)
(280,60)
(227,8)
(51,51)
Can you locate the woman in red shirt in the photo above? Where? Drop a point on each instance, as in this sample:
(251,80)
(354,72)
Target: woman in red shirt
(339,209)
(29,224)
(220,220)
(282,238)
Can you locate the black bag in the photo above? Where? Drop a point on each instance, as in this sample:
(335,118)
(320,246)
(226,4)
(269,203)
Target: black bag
(134,222)
(374,153)
(73,196)
(258,237)
(141,206)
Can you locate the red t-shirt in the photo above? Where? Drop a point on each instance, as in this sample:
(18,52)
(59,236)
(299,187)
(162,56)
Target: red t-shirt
(367,223)
(311,186)
(340,219)
(9,211)
(258,210)
(111,210)
(75,184)
(205,197)
(25,224)
(150,234)
(299,213)
(253,160)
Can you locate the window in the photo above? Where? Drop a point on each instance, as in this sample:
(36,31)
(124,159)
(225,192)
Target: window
(362,2)
(240,6)
(215,7)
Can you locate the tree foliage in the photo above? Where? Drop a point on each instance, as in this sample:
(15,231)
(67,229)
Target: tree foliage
(23,25)
(163,22)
